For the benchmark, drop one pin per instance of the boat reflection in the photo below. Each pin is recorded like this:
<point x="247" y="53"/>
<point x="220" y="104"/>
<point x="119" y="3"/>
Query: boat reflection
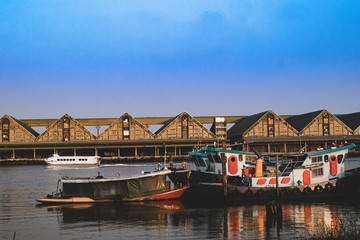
<point x="248" y="221"/>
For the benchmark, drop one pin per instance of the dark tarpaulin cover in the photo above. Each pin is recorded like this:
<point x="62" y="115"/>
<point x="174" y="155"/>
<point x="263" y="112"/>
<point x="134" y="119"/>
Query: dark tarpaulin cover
<point x="117" y="189"/>
<point x="146" y="186"/>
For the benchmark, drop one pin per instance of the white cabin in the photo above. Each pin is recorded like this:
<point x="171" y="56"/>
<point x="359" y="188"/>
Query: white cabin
<point x="72" y="160"/>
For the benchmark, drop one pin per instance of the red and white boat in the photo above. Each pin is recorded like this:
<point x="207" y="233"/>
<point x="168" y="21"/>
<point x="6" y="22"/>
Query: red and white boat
<point x="250" y="177"/>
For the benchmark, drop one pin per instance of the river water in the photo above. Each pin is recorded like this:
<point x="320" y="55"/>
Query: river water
<point x="23" y="218"/>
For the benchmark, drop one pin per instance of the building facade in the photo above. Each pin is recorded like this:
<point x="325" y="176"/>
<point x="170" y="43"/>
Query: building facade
<point x="127" y="137"/>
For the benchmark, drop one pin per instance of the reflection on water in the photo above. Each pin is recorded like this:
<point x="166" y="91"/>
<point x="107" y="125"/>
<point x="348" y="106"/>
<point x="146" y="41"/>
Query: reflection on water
<point x="237" y="222"/>
<point x="19" y="212"/>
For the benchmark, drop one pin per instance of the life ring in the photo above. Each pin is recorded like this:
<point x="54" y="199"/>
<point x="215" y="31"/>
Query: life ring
<point x="329" y="187"/>
<point x="249" y="192"/>
<point x="318" y="189"/>
<point x="307" y="190"/>
<point x="260" y="192"/>
<point x="295" y="191"/>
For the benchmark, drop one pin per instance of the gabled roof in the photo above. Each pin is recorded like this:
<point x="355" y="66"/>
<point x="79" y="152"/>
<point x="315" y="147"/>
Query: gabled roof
<point x="241" y="126"/>
<point x="24" y="125"/>
<point x="167" y="123"/>
<point x="136" y="121"/>
<point x="299" y="122"/>
<point x="68" y="116"/>
<point x="352" y="120"/>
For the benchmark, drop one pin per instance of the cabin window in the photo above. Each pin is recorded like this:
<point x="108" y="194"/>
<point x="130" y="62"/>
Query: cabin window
<point x="5" y="130"/>
<point x="340" y="158"/>
<point x="251" y="158"/>
<point x="317" y="172"/>
<point x="207" y="162"/>
<point x="232" y="159"/>
<point x="217" y="158"/>
<point x="316" y="159"/>
<point x="201" y="162"/>
<point x="326" y="158"/>
<point x="211" y="158"/>
<point x="195" y="160"/>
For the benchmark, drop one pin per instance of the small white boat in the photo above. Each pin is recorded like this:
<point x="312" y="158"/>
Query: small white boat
<point x="56" y="160"/>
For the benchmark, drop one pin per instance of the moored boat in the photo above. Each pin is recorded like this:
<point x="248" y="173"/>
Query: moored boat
<point x="56" y="160"/>
<point x="302" y="175"/>
<point x="145" y="187"/>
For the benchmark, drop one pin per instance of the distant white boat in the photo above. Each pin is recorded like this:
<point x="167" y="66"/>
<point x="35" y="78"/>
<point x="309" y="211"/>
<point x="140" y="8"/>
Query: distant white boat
<point x="56" y="160"/>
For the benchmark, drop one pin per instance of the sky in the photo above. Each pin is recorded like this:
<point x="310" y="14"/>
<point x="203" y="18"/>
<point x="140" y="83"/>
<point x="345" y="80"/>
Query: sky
<point x="100" y="59"/>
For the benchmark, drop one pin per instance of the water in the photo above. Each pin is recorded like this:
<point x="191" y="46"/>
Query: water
<point x="20" y="213"/>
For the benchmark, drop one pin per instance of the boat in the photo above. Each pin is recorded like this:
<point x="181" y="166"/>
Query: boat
<point x="148" y="186"/>
<point x="56" y="160"/>
<point x="305" y="174"/>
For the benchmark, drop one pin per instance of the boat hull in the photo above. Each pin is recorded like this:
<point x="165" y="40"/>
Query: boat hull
<point x="168" y="195"/>
<point x="348" y="186"/>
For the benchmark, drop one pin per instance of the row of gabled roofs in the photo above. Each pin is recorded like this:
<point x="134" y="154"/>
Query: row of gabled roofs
<point x="297" y="122"/>
<point x="38" y="136"/>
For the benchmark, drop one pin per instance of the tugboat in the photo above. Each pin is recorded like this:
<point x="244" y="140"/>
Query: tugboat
<point x="250" y="177"/>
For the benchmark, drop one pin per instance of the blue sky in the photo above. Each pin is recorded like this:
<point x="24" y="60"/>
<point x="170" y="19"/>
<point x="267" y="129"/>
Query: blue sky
<point x="155" y="58"/>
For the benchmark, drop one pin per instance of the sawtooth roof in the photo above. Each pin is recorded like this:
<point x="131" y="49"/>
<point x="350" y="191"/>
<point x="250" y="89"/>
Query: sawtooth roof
<point x="27" y="127"/>
<point x="352" y="120"/>
<point x="241" y="126"/>
<point x="167" y="123"/>
<point x="299" y="122"/>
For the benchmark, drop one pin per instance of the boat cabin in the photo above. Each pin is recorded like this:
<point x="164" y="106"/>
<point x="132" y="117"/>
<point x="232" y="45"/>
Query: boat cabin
<point x="208" y="160"/>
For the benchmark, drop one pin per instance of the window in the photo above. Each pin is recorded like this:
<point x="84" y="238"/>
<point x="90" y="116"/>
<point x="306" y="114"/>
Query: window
<point x="340" y="158"/>
<point x="270" y="125"/>
<point x="317" y="172"/>
<point x="184" y="127"/>
<point x="326" y="158"/>
<point x="326" y="124"/>
<point x="66" y="129"/>
<point x="217" y="158"/>
<point x="126" y="128"/>
<point x="201" y="162"/>
<point x="196" y="161"/>
<point x="316" y="159"/>
<point x="211" y="158"/>
<point x="251" y="158"/>
<point x="5" y="130"/>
